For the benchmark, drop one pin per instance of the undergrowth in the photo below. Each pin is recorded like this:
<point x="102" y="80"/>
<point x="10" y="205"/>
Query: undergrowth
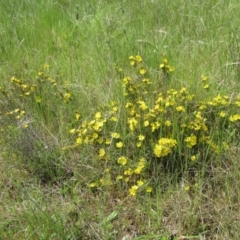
<point x="95" y="146"/>
<point x="150" y="127"/>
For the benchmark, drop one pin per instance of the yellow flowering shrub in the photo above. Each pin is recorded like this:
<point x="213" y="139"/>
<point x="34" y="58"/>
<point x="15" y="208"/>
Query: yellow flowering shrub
<point x="171" y="127"/>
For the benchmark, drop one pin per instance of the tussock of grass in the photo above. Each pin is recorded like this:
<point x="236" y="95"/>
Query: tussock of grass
<point x="97" y="145"/>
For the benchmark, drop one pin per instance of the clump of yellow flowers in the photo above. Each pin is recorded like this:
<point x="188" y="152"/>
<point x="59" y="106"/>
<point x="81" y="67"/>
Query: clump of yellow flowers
<point x="150" y="125"/>
<point x="154" y="127"/>
<point x="37" y="90"/>
<point x="39" y="98"/>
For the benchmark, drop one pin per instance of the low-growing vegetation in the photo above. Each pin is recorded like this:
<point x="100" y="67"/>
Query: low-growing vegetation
<point x="141" y="143"/>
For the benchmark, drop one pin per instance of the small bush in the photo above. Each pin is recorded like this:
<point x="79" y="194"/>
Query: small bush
<point x="152" y="127"/>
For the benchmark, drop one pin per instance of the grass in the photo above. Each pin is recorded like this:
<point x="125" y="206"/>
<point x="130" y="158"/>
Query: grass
<point x="63" y="68"/>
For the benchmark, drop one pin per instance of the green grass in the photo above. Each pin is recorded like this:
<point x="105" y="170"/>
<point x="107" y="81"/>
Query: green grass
<point x="45" y="178"/>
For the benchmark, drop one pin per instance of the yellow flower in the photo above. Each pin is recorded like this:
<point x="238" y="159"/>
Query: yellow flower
<point x="132" y="60"/>
<point x="180" y="109"/>
<point x="222" y="114"/>
<point x="126" y="179"/>
<point x="15" y="80"/>
<point x="142" y="105"/>
<point x="139" y="144"/>
<point x="101" y="152"/>
<point x="126" y="80"/>
<point x="206" y="86"/>
<point x="204" y="78"/>
<point x="92" y="185"/>
<point x="140" y="183"/>
<point x="149" y="189"/>
<point x="133" y="190"/>
<point x="146" y="80"/>
<point x="77" y="116"/>
<point x="114" y="109"/>
<point x="140" y="166"/>
<point x="119" y="144"/>
<point x="79" y="141"/>
<point x="128" y="172"/>
<point x="170" y="68"/>
<point x="234" y="118"/>
<point x="132" y="112"/>
<point x="168" y="123"/>
<point x="122" y="160"/>
<point x="115" y="135"/>
<point x="139" y="58"/>
<point x="191" y="141"/>
<point x="97" y="126"/>
<point x="72" y="130"/>
<point x="183" y="90"/>
<point x="132" y="123"/>
<point x="98" y="115"/>
<point x="161" y="65"/>
<point x="100" y="140"/>
<point x="113" y="118"/>
<point x="146" y="123"/>
<point x="46" y="66"/>
<point x="163" y="148"/>
<point x="128" y="105"/>
<point x="142" y="71"/>
<point x="94" y="135"/>
<point x="161" y="151"/>
<point x="187" y="188"/>
<point x="87" y="139"/>
<point x="237" y="103"/>
<point x="138" y="170"/>
<point x="193" y="158"/>
<point x="40" y="73"/>
<point x="119" y="177"/>
<point x="141" y="137"/>
<point x="165" y="66"/>
<point x="198" y="115"/>
<point x="165" y="60"/>
<point x="67" y="96"/>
